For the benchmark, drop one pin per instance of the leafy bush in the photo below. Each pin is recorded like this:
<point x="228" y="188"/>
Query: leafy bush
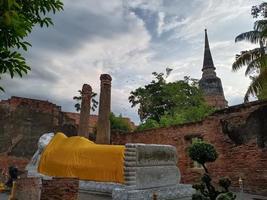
<point x="202" y="153"/>
<point x="150" y="123"/>
<point x="119" y="123"/>
<point x="226" y="196"/>
<point x="191" y="114"/>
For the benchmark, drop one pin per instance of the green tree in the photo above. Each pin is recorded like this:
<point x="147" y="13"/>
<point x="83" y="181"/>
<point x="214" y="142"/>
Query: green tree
<point x="148" y="124"/>
<point x="203" y="153"/>
<point x="78" y="99"/>
<point x="256" y="59"/>
<point x="150" y="99"/>
<point x="119" y="123"/>
<point x="17" y="18"/>
<point x="163" y="104"/>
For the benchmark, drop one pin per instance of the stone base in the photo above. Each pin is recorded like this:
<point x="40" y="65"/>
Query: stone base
<point x="85" y="195"/>
<point x="176" y="192"/>
<point x="111" y="191"/>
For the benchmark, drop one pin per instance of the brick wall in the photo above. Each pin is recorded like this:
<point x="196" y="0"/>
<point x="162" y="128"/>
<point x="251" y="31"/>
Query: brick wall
<point x="247" y="160"/>
<point x="35" y="189"/>
<point x="60" y="188"/>
<point x="6" y="161"/>
<point x="24" y="120"/>
<point x="76" y="117"/>
<point x="26" y="189"/>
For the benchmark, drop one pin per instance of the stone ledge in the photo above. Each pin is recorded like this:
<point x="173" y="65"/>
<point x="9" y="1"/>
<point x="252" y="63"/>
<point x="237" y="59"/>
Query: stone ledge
<point x="175" y="192"/>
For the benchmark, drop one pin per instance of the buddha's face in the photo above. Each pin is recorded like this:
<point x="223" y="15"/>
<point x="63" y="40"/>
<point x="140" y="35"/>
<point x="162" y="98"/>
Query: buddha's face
<point x="44" y="140"/>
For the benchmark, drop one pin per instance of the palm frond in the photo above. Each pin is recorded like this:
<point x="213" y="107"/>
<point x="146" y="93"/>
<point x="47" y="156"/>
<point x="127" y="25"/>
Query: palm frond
<point x="252" y="90"/>
<point x="260" y="25"/>
<point x="245" y="58"/>
<point x="251" y="36"/>
<point x="78" y="98"/>
<point x="256" y="85"/>
<point x="93" y="94"/>
<point x="256" y="64"/>
<point x="78" y="107"/>
<point x="264" y="36"/>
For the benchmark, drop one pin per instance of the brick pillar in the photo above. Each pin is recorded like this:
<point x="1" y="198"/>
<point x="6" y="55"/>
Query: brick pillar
<point x="26" y="189"/>
<point x="103" y="124"/>
<point x="60" y="188"/>
<point x="85" y="111"/>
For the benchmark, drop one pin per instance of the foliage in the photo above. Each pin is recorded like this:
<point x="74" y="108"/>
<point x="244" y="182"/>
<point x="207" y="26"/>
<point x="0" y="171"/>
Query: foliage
<point x="202" y="153"/>
<point x="17" y="18"/>
<point x="119" y="123"/>
<point x="94" y="102"/>
<point x="189" y="114"/>
<point x="163" y="104"/>
<point x="150" y="99"/>
<point x="225" y="183"/>
<point x="150" y="123"/>
<point x="226" y="196"/>
<point x="256" y="59"/>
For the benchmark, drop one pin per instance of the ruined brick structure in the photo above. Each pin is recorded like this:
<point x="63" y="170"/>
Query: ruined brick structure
<point x="32" y="188"/>
<point x="210" y="84"/>
<point x="24" y="120"/>
<point x="60" y="188"/>
<point x="237" y="132"/>
<point x="26" y="189"/>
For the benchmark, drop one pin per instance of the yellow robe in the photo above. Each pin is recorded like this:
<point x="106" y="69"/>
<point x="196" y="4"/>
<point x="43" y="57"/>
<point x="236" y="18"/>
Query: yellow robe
<point x="81" y="158"/>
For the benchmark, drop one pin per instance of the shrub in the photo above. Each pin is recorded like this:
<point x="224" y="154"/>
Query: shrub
<point x="119" y="123"/>
<point x="202" y="153"/>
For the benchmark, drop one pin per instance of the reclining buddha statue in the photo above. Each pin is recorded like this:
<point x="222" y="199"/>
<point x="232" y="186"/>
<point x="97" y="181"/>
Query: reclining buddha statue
<point x="79" y="157"/>
<point x="131" y="171"/>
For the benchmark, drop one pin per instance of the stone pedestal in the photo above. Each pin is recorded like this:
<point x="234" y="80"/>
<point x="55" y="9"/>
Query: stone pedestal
<point x="150" y="170"/>
<point x="85" y="111"/>
<point x="103" y="124"/>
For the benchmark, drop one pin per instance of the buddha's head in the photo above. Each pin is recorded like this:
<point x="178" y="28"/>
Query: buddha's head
<point x="44" y="140"/>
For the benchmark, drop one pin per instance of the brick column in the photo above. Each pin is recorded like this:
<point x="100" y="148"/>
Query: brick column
<point x="60" y="188"/>
<point x="85" y="111"/>
<point x="26" y="189"/>
<point x="103" y="124"/>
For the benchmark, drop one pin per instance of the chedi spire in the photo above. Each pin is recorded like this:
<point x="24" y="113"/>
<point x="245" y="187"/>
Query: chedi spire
<point x="210" y="84"/>
<point x="207" y="61"/>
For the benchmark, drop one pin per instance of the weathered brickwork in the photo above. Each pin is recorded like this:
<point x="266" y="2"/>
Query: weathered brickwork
<point x="60" y="188"/>
<point x="24" y="120"/>
<point x="6" y="161"/>
<point x="247" y="160"/>
<point x="26" y="189"/>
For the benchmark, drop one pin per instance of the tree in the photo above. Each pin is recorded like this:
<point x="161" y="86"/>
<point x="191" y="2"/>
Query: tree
<point x="163" y="104"/>
<point x="255" y="59"/>
<point x="94" y="102"/>
<point x="150" y="99"/>
<point x="202" y="153"/>
<point x="119" y="123"/>
<point x="17" y="18"/>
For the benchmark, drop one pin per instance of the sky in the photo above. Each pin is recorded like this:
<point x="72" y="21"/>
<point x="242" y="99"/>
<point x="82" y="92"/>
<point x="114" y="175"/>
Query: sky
<point x="130" y="39"/>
